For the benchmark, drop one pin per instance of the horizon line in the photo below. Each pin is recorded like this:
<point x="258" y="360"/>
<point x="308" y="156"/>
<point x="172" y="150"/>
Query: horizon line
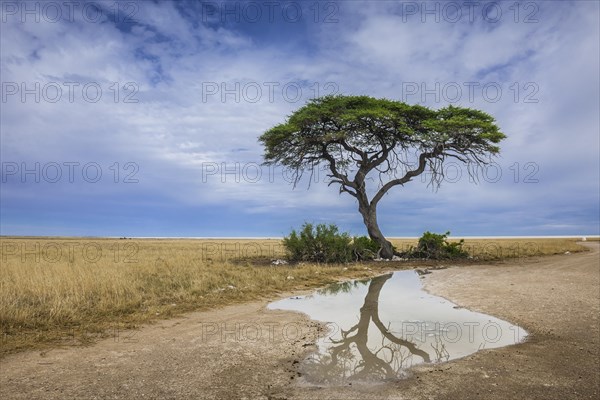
<point x="281" y="237"/>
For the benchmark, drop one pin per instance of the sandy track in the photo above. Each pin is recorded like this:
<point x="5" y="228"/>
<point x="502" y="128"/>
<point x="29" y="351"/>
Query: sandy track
<point x="220" y="354"/>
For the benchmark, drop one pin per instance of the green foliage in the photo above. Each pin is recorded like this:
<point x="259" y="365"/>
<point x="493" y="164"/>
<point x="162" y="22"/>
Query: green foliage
<point x="436" y="246"/>
<point x="343" y="287"/>
<point x="322" y="243"/>
<point x="364" y="248"/>
<point x="325" y="244"/>
<point x="329" y="127"/>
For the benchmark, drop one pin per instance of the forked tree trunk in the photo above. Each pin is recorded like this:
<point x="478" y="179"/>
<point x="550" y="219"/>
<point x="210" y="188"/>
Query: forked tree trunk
<point x="369" y="214"/>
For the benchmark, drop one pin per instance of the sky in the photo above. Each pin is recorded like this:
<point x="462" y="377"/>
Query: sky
<point x="142" y="118"/>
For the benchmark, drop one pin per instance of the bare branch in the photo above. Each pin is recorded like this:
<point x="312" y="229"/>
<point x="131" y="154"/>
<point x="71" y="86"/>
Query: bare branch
<point x="409" y="175"/>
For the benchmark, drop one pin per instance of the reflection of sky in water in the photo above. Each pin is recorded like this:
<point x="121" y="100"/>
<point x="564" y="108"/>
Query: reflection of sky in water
<point x="391" y="324"/>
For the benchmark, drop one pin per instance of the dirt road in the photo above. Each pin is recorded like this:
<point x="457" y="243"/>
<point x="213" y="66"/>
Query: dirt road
<point x="247" y="352"/>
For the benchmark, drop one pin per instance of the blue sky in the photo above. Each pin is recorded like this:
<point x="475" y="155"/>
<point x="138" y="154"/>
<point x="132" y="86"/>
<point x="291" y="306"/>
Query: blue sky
<point x="142" y="118"/>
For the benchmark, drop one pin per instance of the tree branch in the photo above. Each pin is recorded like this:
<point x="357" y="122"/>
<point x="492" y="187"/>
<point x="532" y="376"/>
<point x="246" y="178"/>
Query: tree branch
<point x="342" y="179"/>
<point x="409" y="174"/>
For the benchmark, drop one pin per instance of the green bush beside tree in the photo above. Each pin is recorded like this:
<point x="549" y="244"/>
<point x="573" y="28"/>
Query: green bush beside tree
<point x="326" y="244"/>
<point x="435" y="246"/>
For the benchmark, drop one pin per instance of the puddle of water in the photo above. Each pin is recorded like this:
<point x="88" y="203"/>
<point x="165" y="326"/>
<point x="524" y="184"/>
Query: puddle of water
<point x="378" y="328"/>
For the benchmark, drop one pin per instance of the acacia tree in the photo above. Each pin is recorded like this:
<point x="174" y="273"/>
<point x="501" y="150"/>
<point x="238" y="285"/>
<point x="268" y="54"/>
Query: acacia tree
<point x="361" y="138"/>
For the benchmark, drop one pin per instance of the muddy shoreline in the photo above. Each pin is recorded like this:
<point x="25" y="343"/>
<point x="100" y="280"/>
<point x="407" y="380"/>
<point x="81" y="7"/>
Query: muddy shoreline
<point x="246" y="351"/>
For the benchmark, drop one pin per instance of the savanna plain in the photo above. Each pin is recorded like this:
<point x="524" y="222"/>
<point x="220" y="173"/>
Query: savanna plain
<point x="65" y="295"/>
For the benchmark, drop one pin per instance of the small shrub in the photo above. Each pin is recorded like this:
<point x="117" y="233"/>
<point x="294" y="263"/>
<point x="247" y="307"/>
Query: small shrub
<point x="364" y="248"/>
<point x="322" y="243"/>
<point x="325" y="244"/>
<point x="436" y="246"/>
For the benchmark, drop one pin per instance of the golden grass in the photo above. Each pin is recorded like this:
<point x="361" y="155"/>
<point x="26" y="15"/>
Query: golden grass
<point x="70" y="291"/>
<point x="497" y="249"/>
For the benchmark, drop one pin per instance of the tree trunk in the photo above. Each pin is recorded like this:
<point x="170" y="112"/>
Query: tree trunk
<point x="369" y="214"/>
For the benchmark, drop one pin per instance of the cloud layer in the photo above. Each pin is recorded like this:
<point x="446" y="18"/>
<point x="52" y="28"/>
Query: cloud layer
<point x="166" y="100"/>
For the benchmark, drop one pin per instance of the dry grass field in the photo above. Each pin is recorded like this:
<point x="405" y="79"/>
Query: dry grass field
<point x="499" y="249"/>
<point x="69" y="291"/>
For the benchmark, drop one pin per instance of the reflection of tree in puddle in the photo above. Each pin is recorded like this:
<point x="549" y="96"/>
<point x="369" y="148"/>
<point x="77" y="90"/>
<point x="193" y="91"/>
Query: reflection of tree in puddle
<point x="343" y="287"/>
<point x="350" y="358"/>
